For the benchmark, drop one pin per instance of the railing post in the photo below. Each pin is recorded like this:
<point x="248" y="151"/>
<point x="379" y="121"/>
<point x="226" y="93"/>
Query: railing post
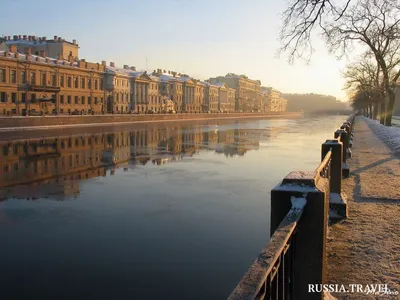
<point x="337" y="199"/>
<point x="346" y="126"/>
<point x="310" y="238"/>
<point x="341" y="134"/>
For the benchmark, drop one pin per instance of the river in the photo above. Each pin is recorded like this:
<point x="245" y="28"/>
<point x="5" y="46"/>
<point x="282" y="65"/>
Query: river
<point x="166" y="211"/>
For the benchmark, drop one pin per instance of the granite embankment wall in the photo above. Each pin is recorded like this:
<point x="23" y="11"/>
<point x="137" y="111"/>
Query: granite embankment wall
<point x="100" y="120"/>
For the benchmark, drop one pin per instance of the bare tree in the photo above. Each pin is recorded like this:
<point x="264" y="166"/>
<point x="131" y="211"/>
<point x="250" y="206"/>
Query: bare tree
<point x="301" y="19"/>
<point x="364" y="75"/>
<point x="374" y="24"/>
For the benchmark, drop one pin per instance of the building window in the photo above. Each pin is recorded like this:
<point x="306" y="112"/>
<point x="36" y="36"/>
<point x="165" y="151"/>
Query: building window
<point x="83" y="99"/>
<point x="69" y="81"/>
<point x="13" y="97"/>
<point x="23" y="97"/>
<point x="76" y="82"/>
<point x="2" y="75"/>
<point x="43" y="78"/>
<point x="13" y="76"/>
<point x="33" y="77"/>
<point x="96" y="84"/>
<point x="101" y="84"/>
<point x="62" y="80"/>
<point x="89" y="100"/>
<point x="33" y="97"/>
<point x="82" y="83"/>
<point x="89" y="83"/>
<point x="69" y="99"/>
<point x="95" y="100"/>
<point x="54" y="80"/>
<point x="62" y="99"/>
<point x="23" y="77"/>
<point x="76" y="100"/>
<point x="3" y="97"/>
<point x="5" y="150"/>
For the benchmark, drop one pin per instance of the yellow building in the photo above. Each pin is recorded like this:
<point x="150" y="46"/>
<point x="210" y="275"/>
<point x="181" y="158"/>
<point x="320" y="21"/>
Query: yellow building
<point x="211" y="97"/>
<point x="272" y="100"/>
<point x="55" y="48"/>
<point x="39" y="85"/>
<point x="118" y="88"/>
<point x="247" y="91"/>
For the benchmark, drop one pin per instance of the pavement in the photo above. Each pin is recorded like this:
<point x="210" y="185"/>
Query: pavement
<point x="365" y="248"/>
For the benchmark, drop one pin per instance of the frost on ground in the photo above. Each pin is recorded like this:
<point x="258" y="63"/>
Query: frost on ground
<point x="365" y="248"/>
<point x="389" y="135"/>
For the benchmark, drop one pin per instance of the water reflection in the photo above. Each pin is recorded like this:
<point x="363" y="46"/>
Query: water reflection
<point x="53" y="167"/>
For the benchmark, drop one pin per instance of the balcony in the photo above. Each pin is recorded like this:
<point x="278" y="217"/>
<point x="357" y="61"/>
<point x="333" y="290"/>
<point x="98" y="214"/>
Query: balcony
<point x="43" y="88"/>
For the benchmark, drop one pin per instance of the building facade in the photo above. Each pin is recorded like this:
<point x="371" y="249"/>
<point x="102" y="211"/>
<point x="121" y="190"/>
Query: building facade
<point x="54" y="48"/>
<point x="211" y="97"/>
<point x="118" y="89"/>
<point x="40" y="85"/>
<point x="273" y="100"/>
<point x="248" y="96"/>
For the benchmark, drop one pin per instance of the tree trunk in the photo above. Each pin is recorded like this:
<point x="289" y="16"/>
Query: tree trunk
<point x="375" y="113"/>
<point x="382" y="113"/>
<point x="389" y="110"/>
<point x="370" y="111"/>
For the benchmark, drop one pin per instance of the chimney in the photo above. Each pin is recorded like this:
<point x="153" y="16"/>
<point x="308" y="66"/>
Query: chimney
<point x="24" y="37"/>
<point x="74" y="42"/>
<point x="9" y="37"/>
<point x="59" y="39"/>
<point x="126" y="67"/>
<point x="42" y="53"/>
<point x="29" y="38"/>
<point x="169" y="72"/>
<point x="44" y="38"/>
<point x="59" y="56"/>
<point x="13" y="48"/>
<point x="71" y="59"/>
<point x="164" y="71"/>
<point x="133" y="68"/>
<point x="15" y="37"/>
<point x="55" y="38"/>
<point x="38" y="59"/>
<point x="28" y="51"/>
<point x="112" y="64"/>
<point x="104" y="63"/>
<point x="20" y="37"/>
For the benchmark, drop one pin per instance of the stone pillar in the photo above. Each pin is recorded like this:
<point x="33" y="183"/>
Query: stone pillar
<point x="310" y="239"/>
<point x="341" y="134"/>
<point x="338" y="208"/>
<point x="346" y="126"/>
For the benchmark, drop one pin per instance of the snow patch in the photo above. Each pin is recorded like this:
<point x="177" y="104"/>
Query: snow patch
<point x="298" y="203"/>
<point x="389" y="135"/>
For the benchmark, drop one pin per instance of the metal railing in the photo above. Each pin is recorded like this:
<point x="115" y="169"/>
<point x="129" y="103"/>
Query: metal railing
<point x="295" y="253"/>
<point x="272" y="274"/>
<point x="324" y="168"/>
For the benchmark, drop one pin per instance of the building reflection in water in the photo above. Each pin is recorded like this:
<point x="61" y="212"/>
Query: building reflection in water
<point x="54" y="167"/>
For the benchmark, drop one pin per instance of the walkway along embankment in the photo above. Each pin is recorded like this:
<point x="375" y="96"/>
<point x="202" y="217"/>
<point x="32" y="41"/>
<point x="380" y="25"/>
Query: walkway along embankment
<point x="365" y="248"/>
<point x="67" y="121"/>
<point x="301" y="206"/>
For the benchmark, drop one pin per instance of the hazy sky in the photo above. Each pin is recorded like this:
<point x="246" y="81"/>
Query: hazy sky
<point x="201" y="38"/>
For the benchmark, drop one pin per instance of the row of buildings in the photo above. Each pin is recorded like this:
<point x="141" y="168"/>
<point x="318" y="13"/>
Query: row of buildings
<point x="40" y="76"/>
<point x="56" y="165"/>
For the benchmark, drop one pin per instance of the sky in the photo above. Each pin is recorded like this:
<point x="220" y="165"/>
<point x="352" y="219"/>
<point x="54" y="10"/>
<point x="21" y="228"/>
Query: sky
<point x="200" y="38"/>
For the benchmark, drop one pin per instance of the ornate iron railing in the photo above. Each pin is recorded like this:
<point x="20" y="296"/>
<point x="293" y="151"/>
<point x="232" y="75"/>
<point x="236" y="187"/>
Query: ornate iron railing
<point x="272" y="275"/>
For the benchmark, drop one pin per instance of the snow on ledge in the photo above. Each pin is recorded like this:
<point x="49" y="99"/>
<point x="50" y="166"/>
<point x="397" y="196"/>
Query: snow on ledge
<point x="298" y="203"/>
<point x="389" y="135"/>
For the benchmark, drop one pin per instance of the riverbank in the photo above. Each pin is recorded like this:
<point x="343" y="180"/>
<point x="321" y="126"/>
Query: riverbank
<point x="50" y="122"/>
<point x="364" y="248"/>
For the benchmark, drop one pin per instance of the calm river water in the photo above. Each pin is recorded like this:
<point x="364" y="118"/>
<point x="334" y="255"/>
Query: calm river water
<point x="158" y="211"/>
